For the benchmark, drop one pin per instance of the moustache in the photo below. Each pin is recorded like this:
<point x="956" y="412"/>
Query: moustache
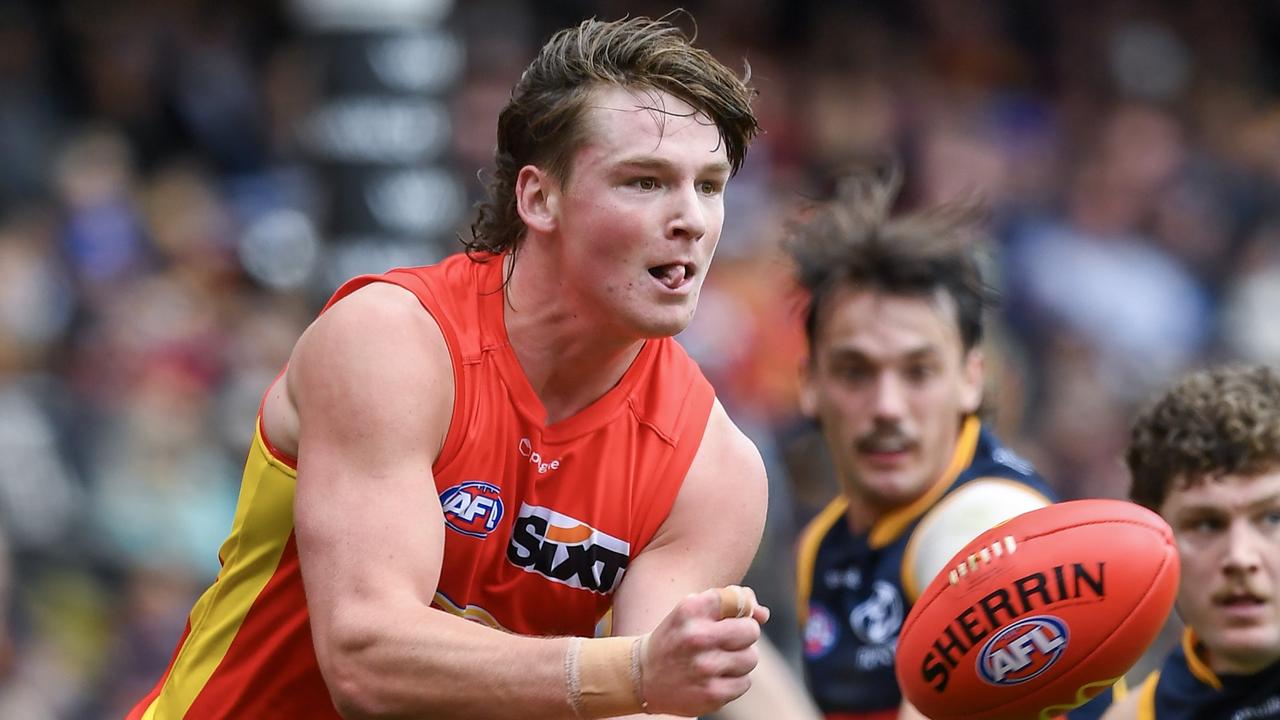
<point x="1237" y="592"/>
<point x="882" y="439"/>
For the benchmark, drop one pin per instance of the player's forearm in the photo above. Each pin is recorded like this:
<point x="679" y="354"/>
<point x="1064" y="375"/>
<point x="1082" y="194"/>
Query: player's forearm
<point x="426" y="663"/>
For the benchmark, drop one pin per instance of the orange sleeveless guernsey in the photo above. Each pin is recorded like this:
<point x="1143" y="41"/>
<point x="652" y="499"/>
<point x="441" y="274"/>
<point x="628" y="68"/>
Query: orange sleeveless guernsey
<point x="541" y="520"/>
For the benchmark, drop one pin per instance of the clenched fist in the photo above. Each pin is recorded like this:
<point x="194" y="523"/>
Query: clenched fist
<point x="699" y="656"/>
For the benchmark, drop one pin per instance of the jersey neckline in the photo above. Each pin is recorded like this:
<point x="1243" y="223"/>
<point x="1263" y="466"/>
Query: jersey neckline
<point x="593" y="416"/>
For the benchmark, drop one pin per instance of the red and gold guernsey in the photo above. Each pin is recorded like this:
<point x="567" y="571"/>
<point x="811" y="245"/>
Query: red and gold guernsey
<point x="541" y="520"/>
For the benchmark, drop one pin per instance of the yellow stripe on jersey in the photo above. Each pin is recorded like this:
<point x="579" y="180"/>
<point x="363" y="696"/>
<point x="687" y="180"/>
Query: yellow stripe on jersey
<point x="1120" y="690"/>
<point x="1147" y="697"/>
<point x="261" y="528"/>
<point x="475" y="613"/>
<point x="1199" y="668"/>
<point x="888" y="528"/>
<point x="810" y="539"/>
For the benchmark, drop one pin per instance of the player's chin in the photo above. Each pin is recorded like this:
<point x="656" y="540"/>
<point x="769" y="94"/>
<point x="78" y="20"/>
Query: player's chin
<point x="1256" y="640"/>
<point x="665" y="322"/>
<point x="892" y="488"/>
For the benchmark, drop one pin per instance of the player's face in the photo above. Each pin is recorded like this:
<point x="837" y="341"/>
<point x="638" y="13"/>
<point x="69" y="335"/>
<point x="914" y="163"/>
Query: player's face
<point x="640" y="215"/>
<point x="889" y="382"/>
<point x="1228" y="533"/>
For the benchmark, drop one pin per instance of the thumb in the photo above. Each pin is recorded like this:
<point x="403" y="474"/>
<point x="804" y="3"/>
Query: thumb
<point x="735" y="601"/>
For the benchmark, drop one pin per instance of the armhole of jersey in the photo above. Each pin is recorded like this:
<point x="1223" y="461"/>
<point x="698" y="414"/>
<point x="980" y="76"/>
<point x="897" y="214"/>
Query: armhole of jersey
<point x="260" y="428"/>
<point x="694" y="417"/>
<point x="910" y="587"/>
<point x="807" y="554"/>
<point x="1147" y="697"/>
<point x="458" y="420"/>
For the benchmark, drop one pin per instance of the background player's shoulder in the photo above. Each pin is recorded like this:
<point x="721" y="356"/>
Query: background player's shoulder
<point x="1041" y="612"/>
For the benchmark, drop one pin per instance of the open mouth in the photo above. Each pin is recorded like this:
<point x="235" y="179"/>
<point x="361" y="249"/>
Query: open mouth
<point x="672" y="275"/>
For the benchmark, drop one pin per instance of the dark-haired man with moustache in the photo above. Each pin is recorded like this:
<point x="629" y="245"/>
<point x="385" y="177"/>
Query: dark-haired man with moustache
<point x="895" y="380"/>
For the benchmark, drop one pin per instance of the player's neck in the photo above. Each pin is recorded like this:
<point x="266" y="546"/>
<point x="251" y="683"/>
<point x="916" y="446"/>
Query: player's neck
<point x="1228" y="665"/>
<point x="859" y="515"/>
<point x="569" y="359"/>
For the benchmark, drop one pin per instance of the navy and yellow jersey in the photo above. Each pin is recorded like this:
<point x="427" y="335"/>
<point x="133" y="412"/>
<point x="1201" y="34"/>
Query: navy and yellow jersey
<point x="1184" y="688"/>
<point x="856" y="589"/>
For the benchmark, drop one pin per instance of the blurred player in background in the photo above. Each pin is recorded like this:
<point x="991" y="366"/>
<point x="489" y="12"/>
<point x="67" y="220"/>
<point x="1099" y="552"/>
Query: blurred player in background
<point x="1206" y="456"/>
<point x="895" y="380"/>
<point x="510" y="437"/>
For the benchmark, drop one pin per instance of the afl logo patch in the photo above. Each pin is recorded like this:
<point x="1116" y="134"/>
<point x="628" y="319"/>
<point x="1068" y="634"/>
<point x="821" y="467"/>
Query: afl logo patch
<point x="1023" y="650"/>
<point x="819" y="632"/>
<point x="472" y="508"/>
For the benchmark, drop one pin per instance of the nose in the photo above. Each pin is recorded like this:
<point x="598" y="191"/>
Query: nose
<point x="890" y="397"/>
<point x="688" y="217"/>
<point x="1243" y="551"/>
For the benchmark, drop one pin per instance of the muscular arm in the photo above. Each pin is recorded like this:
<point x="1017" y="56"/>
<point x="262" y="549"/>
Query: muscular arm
<point x="368" y="399"/>
<point x="707" y="541"/>
<point x="372" y="384"/>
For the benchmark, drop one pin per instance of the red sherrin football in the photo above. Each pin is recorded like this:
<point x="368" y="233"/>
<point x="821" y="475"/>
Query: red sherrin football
<point x="1040" y="613"/>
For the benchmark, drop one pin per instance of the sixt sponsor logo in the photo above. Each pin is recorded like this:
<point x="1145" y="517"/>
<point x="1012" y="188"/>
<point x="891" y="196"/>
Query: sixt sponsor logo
<point x="567" y="551"/>
<point x="472" y="508"/>
<point x="1022" y="650"/>
<point x="1022" y="596"/>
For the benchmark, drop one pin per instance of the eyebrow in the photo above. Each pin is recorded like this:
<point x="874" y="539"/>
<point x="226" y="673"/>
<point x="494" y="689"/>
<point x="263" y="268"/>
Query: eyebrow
<point x="921" y="353"/>
<point x="1209" y="508"/>
<point x="652" y="163"/>
<point x="1273" y="499"/>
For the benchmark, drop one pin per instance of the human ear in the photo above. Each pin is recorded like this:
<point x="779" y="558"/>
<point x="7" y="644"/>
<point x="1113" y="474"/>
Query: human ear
<point x="537" y="199"/>
<point x="972" y="381"/>
<point x="808" y="393"/>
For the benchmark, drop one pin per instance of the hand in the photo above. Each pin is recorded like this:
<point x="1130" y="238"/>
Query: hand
<point x="699" y="656"/>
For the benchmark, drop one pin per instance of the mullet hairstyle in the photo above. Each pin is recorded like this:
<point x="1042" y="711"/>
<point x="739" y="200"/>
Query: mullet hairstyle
<point x="1215" y="422"/>
<point x="854" y="240"/>
<point x="543" y="122"/>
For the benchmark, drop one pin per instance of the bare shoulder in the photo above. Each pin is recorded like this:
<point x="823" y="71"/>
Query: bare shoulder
<point x="727" y="475"/>
<point x="727" y="459"/>
<point x="374" y="362"/>
<point x="382" y="314"/>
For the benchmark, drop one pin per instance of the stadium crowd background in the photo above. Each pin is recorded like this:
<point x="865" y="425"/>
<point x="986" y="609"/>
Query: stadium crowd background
<point x="165" y="232"/>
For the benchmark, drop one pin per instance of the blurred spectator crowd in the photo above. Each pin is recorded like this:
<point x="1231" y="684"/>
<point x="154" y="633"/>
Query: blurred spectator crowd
<point x="158" y="223"/>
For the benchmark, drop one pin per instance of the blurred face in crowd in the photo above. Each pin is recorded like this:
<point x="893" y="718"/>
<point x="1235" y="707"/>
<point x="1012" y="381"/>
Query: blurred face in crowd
<point x="638" y="219"/>
<point x="1228" y="534"/>
<point x="890" y="382"/>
